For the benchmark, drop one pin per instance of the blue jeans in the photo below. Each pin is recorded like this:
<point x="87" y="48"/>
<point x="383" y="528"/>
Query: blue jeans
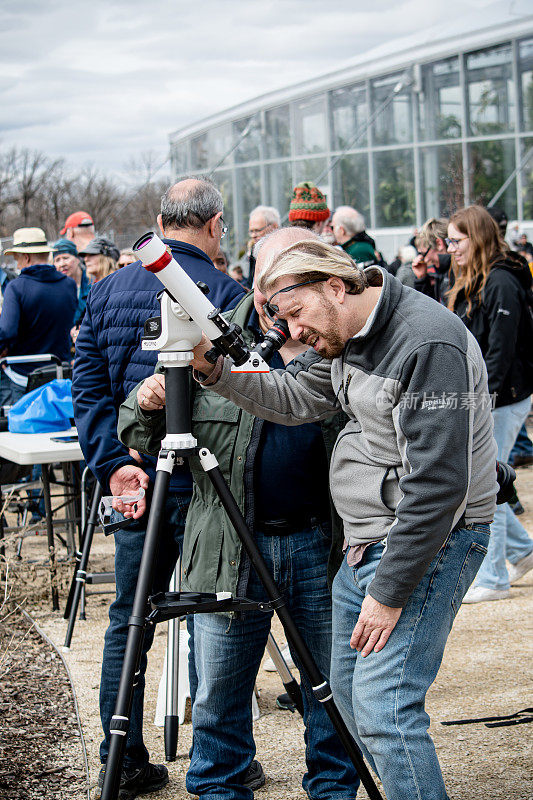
<point x="508" y="538"/>
<point x="382" y="696"/>
<point x="228" y="653"/>
<point x="128" y="551"/>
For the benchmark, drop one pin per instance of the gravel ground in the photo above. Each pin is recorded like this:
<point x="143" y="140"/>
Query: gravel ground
<point x="486" y="671"/>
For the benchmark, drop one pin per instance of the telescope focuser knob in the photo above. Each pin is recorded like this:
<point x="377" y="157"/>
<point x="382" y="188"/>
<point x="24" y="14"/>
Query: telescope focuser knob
<point x="204" y="288"/>
<point x="212" y="355"/>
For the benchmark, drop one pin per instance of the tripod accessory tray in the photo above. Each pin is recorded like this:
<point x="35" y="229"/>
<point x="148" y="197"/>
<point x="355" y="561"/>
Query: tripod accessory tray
<point x="168" y="605"/>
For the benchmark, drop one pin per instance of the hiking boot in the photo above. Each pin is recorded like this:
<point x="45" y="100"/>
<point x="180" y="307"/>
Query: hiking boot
<point x="255" y="777"/>
<point x="135" y="781"/>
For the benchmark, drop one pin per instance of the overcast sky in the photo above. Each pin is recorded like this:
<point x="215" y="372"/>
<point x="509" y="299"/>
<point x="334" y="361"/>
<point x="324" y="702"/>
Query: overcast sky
<point x="99" y="82"/>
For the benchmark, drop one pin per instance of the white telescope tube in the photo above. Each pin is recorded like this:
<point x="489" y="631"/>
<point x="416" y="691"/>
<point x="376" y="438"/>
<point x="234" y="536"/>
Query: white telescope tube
<point x="157" y="259"/>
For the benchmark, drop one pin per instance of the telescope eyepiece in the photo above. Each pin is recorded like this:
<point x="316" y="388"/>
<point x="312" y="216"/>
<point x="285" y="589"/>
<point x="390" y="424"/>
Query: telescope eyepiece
<point x="275" y="337"/>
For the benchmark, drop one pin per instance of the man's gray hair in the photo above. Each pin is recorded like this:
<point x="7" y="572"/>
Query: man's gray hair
<point x="190" y="205"/>
<point x="351" y="220"/>
<point x="407" y="253"/>
<point x="310" y="259"/>
<point x="270" y="214"/>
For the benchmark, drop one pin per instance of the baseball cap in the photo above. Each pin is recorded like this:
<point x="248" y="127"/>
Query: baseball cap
<point x="101" y="246"/>
<point x="78" y="219"/>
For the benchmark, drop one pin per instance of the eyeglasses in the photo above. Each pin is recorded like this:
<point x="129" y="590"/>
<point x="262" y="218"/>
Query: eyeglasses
<point x="425" y="253"/>
<point x="256" y="231"/>
<point x="454" y="243"/>
<point x="223" y="227"/>
<point x="271" y="309"/>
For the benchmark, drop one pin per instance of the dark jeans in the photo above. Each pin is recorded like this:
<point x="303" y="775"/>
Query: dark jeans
<point x="523" y="445"/>
<point x="228" y="652"/>
<point x="128" y="551"/>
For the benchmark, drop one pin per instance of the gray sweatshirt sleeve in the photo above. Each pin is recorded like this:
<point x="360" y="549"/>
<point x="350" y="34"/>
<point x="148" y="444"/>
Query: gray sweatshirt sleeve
<point x="301" y="393"/>
<point x="434" y="423"/>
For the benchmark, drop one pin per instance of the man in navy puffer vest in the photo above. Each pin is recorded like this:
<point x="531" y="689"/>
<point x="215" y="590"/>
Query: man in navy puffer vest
<point x="109" y="363"/>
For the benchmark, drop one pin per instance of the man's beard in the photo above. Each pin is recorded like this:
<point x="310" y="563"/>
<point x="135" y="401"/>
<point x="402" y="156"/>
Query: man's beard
<point x="331" y="343"/>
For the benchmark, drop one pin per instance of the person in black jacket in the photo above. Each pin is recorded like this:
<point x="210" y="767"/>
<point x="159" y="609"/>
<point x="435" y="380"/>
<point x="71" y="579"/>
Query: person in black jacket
<point x="432" y="265"/>
<point x="490" y="294"/>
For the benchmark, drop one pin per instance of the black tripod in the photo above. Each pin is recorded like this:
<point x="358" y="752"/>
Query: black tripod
<point x="177" y="444"/>
<point x="174" y="335"/>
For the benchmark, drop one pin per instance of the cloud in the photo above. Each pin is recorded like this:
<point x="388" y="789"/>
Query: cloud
<point x="106" y="80"/>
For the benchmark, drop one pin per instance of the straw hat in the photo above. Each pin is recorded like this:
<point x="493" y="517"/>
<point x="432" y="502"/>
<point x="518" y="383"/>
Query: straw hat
<point x="29" y="240"/>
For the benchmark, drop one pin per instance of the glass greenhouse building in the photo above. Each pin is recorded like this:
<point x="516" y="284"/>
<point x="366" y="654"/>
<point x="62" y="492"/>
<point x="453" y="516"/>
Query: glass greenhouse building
<point x="400" y="139"/>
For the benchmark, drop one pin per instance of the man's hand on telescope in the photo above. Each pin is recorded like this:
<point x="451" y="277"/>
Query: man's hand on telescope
<point x="151" y="395"/>
<point x="199" y="362"/>
<point x="127" y="480"/>
<point x="374" y="626"/>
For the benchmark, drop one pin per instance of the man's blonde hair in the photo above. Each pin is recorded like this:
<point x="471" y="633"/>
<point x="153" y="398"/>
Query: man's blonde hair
<point x="431" y="230"/>
<point x="309" y="260"/>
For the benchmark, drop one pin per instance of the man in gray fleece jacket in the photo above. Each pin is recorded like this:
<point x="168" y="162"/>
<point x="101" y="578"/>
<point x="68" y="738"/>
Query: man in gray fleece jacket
<point x="412" y="476"/>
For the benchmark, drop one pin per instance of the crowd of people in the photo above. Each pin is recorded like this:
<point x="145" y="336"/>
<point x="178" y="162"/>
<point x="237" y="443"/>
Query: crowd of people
<point x="403" y="382"/>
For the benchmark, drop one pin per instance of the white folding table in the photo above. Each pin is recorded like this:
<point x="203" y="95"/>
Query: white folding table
<point x="39" y="448"/>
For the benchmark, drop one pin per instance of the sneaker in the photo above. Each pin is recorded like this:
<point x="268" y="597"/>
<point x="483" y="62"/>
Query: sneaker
<point x="516" y="571"/>
<point x="268" y="666"/>
<point x="284" y="702"/>
<point x="133" y="782"/>
<point x="479" y="594"/>
<point x="255" y="777"/>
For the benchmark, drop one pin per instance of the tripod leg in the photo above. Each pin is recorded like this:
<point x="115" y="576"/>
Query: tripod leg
<point x="321" y="688"/>
<point x="81" y="572"/>
<point x="173" y="667"/>
<point x="83" y="514"/>
<point x="289" y="682"/>
<point x="79" y="555"/>
<point x="137" y="625"/>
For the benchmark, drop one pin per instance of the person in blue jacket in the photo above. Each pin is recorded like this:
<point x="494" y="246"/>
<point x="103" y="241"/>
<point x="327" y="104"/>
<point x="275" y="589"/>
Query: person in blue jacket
<point x="109" y="363"/>
<point x="37" y="311"/>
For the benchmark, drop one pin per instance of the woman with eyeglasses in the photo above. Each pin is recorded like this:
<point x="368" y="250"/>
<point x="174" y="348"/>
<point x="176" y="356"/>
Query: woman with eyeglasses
<point x="491" y="292"/>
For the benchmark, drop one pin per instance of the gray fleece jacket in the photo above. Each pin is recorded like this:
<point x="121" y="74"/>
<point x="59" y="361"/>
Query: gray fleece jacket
<point x="417" y="455"/>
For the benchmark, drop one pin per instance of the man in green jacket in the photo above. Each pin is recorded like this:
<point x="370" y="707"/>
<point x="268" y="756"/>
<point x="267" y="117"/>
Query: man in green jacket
<point x="349" y="231"/>
<point x="279" y="477"/>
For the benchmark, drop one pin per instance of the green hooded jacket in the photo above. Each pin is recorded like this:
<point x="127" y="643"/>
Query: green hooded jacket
<point x="359" y="250"/>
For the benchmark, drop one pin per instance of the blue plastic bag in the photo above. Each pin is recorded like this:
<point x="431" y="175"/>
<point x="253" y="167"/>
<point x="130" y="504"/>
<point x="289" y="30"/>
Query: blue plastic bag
<point x="47" y="408"/>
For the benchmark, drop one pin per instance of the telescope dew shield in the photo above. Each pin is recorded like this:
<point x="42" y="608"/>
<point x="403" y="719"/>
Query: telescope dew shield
<point x="157" y="258"/>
